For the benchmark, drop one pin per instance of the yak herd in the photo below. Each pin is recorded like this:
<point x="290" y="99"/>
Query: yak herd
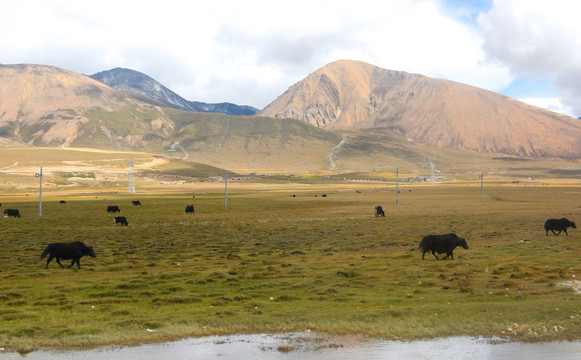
<point x="436" y="244"/>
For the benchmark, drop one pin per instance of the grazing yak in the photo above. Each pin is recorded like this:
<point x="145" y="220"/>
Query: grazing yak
<point x="67" y="251"/>
<point x="559" y="225"/>
<point x="12" y="212"/>
<point x="62" y="202"/>
<point x="441" y="244"/>
<point x="120" y="220"/>
<point x="136" y="202"/>
<point x="379" y="211"/>
<point x="190" y="209"/>
<point x="113" y="209"/>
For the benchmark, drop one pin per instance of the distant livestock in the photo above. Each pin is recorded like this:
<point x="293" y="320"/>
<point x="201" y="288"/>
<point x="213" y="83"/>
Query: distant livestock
<point x="559" y="225"/>
<point x="12" y="212"/>
<point x="441" y="244"/>
<point x="379" y="211"/>
<point x="120" y="220"/>
<point x="190" y="209"/>
<point x="62" y="202"/>
<point x="324" y="195"/>
<point x="136" y="202"/>
<point x="113" y="209"/>
<point x="67" y="251"/>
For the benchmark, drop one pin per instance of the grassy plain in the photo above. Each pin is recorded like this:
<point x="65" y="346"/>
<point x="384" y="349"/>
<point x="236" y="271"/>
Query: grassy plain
<point x="272" y="262"/>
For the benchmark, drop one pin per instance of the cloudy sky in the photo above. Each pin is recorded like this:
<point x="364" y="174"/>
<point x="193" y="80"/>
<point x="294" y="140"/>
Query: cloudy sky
<point x="249" y="52"/>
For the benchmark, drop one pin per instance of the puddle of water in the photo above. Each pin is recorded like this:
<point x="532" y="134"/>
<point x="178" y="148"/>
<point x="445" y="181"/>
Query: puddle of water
<point x="317" y="346"/>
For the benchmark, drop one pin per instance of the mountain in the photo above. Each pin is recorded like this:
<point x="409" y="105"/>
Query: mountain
<point x="355" y="96"/>
<point x="142" y="87"/>
<point x="146" y="89"/>
<point x="45" y="105"/>
<point x="52" y="107"/>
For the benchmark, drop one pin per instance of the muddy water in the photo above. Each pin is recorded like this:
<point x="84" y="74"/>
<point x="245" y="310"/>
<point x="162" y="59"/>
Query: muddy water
<point x="317" y="346"/>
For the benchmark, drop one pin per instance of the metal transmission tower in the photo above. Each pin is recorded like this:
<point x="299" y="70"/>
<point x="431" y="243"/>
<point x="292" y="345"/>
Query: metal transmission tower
<point x="433" y="166"/>
<point x="131" y="185"/>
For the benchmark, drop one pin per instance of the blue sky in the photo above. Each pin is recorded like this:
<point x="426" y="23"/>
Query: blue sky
<point x="250" y="52"/>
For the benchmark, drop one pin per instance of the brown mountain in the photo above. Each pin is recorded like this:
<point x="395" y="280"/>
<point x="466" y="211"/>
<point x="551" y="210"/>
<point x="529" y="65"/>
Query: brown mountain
<point x="45" y="105"/>
<point x="350" y="95"/>
<point x="52" y="107"/>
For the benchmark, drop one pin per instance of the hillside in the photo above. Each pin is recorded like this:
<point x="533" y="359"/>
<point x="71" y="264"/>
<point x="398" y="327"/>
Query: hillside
<point x="47" y="106"/>
<point x="143" y="87"/>
<point x="349" y="95"/>
<point x="44" y="106"/>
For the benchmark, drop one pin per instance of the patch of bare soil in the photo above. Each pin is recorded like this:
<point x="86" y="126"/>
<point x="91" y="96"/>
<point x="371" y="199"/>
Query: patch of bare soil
<point x="574" y="284"/>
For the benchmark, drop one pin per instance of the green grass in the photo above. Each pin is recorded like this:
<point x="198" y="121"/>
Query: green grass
<point x="272" y="262"/>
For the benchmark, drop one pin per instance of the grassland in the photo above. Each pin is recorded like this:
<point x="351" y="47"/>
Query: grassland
<point x="272" y="262"/>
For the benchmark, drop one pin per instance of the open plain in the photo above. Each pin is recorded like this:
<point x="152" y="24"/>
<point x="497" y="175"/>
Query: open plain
<point x="281" y="257"/>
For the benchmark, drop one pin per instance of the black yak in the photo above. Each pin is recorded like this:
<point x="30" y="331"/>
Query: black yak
<point x="136" y="202"/>
<point x="379" y="211"/>
<point x="113" y="209"/>
<point x="12" y="212"/>
<point x="559" y="225"/>
<point x="441" y="244"/>
<point x="120" y="220"/>
<point x="74" y="250"/>
<point x="190" y="209"/>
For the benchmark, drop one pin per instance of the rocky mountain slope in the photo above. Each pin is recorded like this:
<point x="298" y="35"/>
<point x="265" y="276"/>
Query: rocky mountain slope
<point x="350" y="95"/>
<point x="43" y="106"/>
<point x="146" y="89"/>
<point x="47" y="106"/>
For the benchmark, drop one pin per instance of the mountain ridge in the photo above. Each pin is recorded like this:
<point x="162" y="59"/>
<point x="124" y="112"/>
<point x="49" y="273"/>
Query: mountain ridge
<point x="47" y="106"/>
<point x="351" y="95"/>
<point x="144" y="88"/>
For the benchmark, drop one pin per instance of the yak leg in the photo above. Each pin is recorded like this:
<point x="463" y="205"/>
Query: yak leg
<point x="434" y="253"/>
<point x="59" y="261"/>
<point x="78" y="263"/>
<point x="565" y="230"/>
<point x="47" y="261"/>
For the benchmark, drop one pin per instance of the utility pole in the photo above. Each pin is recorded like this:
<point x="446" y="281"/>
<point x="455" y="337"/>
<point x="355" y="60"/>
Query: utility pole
<point x="226" y="192"/>
<point x="481" y="186"/>
<point x="397" y="186"/>
<point x="39" y="175"/>
<point x="433" y="166"/>
<point x="131" y="183"/>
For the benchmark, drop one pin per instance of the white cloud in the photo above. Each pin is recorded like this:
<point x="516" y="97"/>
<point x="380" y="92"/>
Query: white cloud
<point x="552" y="104"/>
<point x="538" y="38"/>
<point x="248" y="52"/>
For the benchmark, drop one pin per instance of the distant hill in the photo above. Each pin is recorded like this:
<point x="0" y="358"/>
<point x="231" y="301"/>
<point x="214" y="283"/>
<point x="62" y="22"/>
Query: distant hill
<point x="44" y="106"/>
<point x="147" y="89"/>
<point x="48" y="106"/>
<point x="355" y="96"/>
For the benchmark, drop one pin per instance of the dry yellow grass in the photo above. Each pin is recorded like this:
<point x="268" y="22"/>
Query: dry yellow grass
<point x="273" y="262"/>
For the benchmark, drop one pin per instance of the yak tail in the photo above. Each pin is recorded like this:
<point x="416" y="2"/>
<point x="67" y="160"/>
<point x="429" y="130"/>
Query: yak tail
<point x="45" y="253"/>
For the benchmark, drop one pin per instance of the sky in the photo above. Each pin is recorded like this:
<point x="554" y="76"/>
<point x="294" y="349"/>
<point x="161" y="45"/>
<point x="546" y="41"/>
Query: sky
<point x="249" y="52"/>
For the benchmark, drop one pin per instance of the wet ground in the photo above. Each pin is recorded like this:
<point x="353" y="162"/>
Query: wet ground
<point x="318" y="346"/>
